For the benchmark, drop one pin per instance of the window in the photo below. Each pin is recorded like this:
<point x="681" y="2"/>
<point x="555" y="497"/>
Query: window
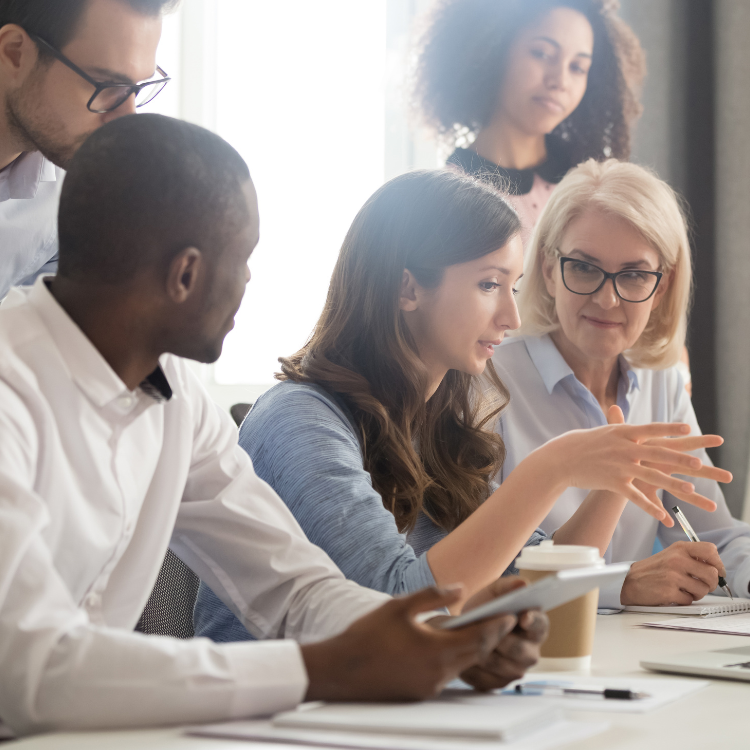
<point x="310" y="94"/>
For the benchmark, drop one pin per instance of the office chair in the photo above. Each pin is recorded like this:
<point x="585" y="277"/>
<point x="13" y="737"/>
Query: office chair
<point x="169" y="610"/>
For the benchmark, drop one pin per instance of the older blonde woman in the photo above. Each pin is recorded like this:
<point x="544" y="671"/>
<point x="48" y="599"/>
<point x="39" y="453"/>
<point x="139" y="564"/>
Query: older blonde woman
<point x="604" y="310"/>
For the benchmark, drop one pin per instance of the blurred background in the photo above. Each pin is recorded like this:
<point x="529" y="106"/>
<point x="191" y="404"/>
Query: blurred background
<point x="312" y="94"/>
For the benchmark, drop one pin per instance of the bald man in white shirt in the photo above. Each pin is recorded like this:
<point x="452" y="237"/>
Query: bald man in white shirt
<point x="110" y="451"/>
<point x="66" y="68"/>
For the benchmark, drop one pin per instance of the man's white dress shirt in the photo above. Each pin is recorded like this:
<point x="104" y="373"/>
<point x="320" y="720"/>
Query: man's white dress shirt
<point x="95" y="482"/>
<point x="29" y="195"/>
<point x="547" y="400"/>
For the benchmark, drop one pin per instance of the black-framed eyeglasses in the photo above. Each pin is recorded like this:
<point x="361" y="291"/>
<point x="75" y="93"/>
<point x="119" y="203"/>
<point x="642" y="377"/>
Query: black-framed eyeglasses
<point x="109" y="95"/>
<point x="631" y="285"/>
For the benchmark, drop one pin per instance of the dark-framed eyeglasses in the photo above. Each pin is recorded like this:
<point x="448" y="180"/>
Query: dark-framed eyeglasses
<point x="631" y="285"/>
<point x="109" y="95"/>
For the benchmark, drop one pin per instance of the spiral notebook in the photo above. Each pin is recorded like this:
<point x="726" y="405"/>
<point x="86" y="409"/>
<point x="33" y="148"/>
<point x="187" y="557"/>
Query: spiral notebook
<point x="709" y="606"/>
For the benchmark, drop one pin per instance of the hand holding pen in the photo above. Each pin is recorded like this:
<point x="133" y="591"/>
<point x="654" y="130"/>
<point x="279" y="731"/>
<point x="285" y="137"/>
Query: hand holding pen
<point x="693" y="537"/>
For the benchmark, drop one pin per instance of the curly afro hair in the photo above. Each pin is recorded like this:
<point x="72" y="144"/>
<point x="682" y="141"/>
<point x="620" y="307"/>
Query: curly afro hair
<point x="460" y="63"/>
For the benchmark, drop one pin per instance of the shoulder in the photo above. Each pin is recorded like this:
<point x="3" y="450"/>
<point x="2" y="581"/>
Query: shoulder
<point x="296" y="411"/>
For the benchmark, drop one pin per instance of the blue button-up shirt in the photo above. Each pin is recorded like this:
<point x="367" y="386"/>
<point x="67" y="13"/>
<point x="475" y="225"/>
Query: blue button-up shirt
<point x="548" y="400"/>
<point x="29" y="196"/>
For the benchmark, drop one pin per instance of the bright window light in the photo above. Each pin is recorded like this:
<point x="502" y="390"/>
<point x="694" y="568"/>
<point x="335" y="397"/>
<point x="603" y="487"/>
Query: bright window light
<point x="300" y="94"/>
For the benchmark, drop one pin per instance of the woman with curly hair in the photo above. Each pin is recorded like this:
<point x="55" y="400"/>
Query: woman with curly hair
<point x="527" y="89"/>
<point x="380" y="436"/>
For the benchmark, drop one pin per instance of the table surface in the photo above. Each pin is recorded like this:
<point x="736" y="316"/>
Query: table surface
<point x="715" y="716"/>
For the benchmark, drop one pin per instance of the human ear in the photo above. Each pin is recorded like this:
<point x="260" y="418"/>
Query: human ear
<point x="18" y="53"/>
<point x="661" y="290"/>
<point x="184" y="274"/>
<point x="408" y="299"/>
<point x="548" y="271"/>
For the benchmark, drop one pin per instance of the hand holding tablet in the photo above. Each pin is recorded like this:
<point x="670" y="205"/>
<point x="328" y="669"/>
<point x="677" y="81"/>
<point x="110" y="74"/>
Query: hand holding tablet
<point x="547" y="593"/>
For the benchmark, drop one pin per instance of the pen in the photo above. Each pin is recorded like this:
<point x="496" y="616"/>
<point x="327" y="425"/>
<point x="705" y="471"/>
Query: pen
<point x="693" y="537"/>
<point x="532" y="688"/>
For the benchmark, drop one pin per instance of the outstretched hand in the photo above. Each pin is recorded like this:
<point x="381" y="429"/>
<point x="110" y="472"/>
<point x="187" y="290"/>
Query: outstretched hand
<point x="388" y="655"/>
<point x="698" y="469"/>
<point x="634" y="461"/>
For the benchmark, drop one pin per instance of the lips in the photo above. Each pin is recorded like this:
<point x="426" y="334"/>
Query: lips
<point x="551" y="104"/>
<point x="600" y="323"/>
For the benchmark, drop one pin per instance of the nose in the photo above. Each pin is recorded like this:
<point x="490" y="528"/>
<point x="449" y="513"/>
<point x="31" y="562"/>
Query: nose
<point x="248" y="275"/>
<point x="126" y="108"/>
<point x="607" y="297"/>
<point x="556" y="77"/>
<point x="506" y="315"/>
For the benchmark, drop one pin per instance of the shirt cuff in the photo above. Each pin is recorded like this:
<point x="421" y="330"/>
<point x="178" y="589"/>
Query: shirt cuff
<point x="270" y="677"/>
<point x="609" y="596"/>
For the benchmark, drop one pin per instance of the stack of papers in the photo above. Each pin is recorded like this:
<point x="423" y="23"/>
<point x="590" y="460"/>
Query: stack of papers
<point x="443" y="724"/>
<point x="731" y="625"/>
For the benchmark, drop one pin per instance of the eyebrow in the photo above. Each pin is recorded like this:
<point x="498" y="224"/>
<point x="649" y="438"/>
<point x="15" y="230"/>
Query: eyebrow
<point x="555" y="44"/>
<point x="112" y="76"/>
<point x="630" y="264"/>
<point x="496" y="268"/>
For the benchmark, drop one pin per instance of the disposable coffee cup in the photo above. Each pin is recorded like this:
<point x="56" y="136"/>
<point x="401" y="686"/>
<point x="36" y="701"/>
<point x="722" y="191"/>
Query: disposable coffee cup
<point x="571" y="626"/>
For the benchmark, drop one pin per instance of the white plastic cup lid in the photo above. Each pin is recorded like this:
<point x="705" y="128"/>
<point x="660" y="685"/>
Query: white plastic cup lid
<point x="551" y="556"/>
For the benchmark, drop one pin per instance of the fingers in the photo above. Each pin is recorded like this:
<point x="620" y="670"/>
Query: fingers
<point x="615" y="415"/>
<point x="704" y="552"/>
<point x="687" y="444"/>
<point x="706" y="471"/>
<point x="652" y="505"/>
<point x="474" y="643"/>
<point x="665" y="481"/>
<point x="693" y="498"/>
<point x="675" y="461"/>
<point x="534" y="624"/>
<point x="643" y="432"/>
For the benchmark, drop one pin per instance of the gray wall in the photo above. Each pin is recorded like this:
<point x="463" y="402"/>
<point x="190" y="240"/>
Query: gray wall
<point x="660" y="142"/>
<point x="732" y="31"/>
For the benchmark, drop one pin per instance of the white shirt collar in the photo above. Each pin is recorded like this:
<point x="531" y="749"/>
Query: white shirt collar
<point x="21" y="178"/>
<point x="553" y="368"/>
<point x="90" y="371"/>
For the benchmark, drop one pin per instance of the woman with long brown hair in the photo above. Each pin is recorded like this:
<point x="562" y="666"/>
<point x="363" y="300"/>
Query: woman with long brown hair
<point x="380" y="437"/>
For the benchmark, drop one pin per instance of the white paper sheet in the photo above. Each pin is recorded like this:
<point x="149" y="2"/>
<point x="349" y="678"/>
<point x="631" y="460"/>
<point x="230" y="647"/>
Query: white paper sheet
<point x="563" y="733"/>
<point x="662" y="690"/>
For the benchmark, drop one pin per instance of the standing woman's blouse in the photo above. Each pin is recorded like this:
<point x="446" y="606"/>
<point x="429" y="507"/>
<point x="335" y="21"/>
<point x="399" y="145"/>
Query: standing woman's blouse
<point x="547" y="400"/>
<point x="527" y="189"/>
<point x="303" y="442"/>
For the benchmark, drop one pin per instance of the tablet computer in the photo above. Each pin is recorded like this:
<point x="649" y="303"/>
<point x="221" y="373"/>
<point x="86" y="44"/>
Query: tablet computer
<point x="547" y="593"/>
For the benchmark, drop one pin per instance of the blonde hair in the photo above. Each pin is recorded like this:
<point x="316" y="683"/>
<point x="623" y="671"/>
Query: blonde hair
<point x="652" y="208"/>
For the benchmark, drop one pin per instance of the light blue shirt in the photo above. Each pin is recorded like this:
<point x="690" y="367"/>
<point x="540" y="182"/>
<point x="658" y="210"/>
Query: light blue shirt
<point x="548" y="400"/>
<point x="303" y="442"/>
<point x="29" y="197"/>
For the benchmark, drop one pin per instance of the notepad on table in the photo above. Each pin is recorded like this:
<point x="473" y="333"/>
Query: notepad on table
<point x="709" y="606"/>
<point x="732" y="625"/>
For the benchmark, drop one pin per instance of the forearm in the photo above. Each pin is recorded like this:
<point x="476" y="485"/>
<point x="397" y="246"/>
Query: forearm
<point x="595" y="521"/>
<point x="481" y="548"/>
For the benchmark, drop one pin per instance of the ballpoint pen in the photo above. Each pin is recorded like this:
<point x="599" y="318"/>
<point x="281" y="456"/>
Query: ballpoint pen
<point x="544" y="688"/>
<point x="693" y="537"/>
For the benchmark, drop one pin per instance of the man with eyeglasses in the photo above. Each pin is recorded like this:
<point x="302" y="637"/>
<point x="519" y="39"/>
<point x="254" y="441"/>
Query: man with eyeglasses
<point x="66" y="68"/>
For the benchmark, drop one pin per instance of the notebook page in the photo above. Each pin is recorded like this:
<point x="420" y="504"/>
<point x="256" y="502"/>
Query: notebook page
<point x="709" y="606"/>
<point x="731" y="625"/>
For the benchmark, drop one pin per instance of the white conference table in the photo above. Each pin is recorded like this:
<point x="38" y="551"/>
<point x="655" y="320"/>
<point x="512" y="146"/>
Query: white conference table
<point x="717" y="716"/>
